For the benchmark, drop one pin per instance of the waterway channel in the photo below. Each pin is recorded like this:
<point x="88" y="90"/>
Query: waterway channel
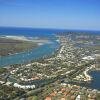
<point x="40" y="51"/>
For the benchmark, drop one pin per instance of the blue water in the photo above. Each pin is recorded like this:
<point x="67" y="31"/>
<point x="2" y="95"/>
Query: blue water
<point x="28" y="31"/>
<point x="41" y="51"/>
<point x="36" y="31"/>
<point x="96" y="81"/>
<point x="35" y="82"/>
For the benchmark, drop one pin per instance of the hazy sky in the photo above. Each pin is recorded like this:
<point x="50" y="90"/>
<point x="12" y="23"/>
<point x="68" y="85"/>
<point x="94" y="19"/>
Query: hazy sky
<point x="65" y="14"/>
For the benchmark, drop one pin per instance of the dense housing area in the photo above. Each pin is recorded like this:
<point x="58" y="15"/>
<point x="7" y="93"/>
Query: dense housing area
<point x="48" y="78"/>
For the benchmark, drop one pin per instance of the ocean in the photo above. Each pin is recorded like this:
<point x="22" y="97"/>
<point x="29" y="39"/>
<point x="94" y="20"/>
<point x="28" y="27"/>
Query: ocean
<point x="36" y="31"/>
<point x="28" y="31"/>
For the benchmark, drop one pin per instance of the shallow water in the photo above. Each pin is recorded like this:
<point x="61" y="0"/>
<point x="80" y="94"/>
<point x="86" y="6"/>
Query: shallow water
<point x="40" y="51"/>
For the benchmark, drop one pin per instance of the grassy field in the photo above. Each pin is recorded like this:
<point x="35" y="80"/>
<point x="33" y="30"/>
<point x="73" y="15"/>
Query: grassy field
<point x="8" y="47"/>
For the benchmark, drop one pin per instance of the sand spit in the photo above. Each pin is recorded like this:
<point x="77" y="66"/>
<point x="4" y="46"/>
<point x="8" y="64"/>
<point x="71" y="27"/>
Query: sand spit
<point x="23" y="38"/>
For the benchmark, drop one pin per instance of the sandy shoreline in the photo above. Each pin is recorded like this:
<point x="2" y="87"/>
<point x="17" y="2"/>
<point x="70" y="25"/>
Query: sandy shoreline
<point x="23" y="38"/>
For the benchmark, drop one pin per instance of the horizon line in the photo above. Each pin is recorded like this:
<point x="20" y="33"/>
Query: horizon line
<point x="48" y="28"/>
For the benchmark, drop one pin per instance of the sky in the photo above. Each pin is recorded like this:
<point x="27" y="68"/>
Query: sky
<point x="60" y="14"/>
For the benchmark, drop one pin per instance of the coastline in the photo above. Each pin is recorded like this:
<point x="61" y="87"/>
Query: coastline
<point x="60" y="56"/>
<point x="90" y="84"/>
<point x="53" y="45"/>
<point x="25" y="38"/>
<point x="10" y="47"/>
